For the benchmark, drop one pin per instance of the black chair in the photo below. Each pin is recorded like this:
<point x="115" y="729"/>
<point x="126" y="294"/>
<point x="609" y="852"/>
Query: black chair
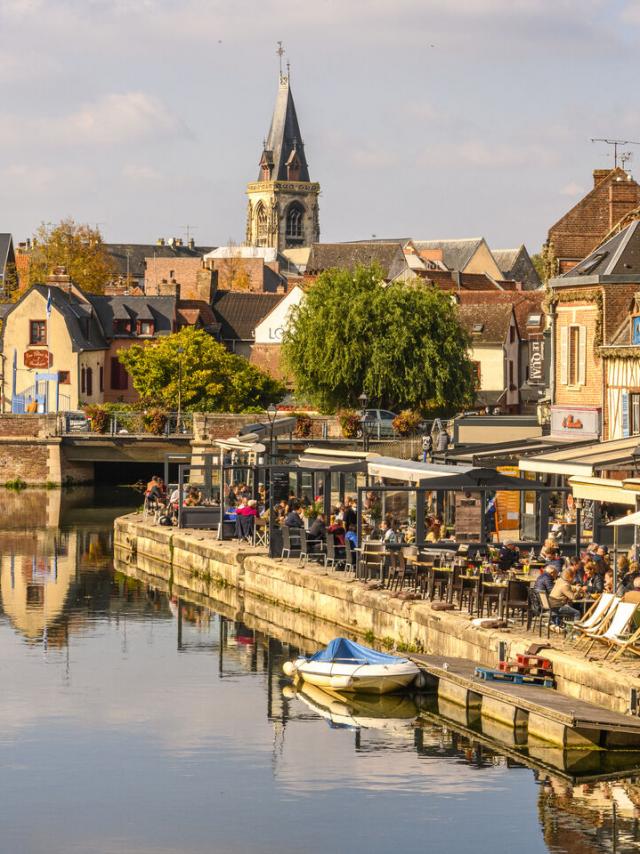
<point x="349" y="557"/>
<point x="516" y="598"/>
<point x="244" y="527"/>
<point x="539" y="611"/>
<point x="290" y="541"/>
<point x="372" y="561"/>
<point x="310" y="548"/>
<point x="335" y="553"/>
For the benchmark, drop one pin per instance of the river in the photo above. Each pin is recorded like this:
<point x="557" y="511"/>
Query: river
<point x="133" y="722"/>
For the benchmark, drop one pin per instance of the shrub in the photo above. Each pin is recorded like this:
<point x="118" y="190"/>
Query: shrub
<point x="304" y="427"/>
<point x="155" y="421"/>
<point x="98" y="416"/>
<point x="17" y="483"/>
<point x="407" y="422"/>
<point x="350" y="423"/>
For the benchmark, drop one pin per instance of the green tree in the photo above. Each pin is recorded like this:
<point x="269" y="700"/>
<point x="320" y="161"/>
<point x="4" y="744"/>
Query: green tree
<point x="212" y="379"/>
<point x="545" y="262"/>
<point x="78" y="248"/>
<point x="402" y="344"/>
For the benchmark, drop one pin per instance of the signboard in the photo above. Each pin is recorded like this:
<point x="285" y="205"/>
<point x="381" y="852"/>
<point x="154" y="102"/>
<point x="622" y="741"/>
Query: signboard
<point x="536" y="362"/>
<point x="635" y="329"/>
<point x="508" y="504"/>
<point x="37" y="359"/>
<point x="468" y="516"/>
<point x="581" y="422"/>
<point x="280" y="485"/>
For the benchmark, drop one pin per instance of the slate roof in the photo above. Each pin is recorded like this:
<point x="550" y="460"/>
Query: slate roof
<point x="451" y="281"/>
<point x="456" y="254"/>
<point x="348" y="256"/>
<point x="517" y="264"/>
<point x="137" y="252"/>
<point x="284" y="136"/>
<point x="83" y="324"/>
<point x="618" y="256"/>
<point x="162" y="310"/>
<point x="239" y="312"/>
<point x="495" y="321"/>
<point x="192" y="311"/>
<point x="6" y="252"/>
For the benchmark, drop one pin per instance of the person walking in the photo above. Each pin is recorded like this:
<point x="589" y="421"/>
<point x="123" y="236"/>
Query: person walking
<point x="427" y="448"/>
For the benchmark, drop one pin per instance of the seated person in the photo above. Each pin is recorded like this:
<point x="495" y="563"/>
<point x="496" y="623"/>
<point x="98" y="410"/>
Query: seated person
<point x="318" y="529"/>
<point x="337" y="529"/>
<point x="194" y="498"/>
<point x="389" y="535"/>
<point x="508" y="556"/>
<point x="293" y="519"/>
<point x="352" y="536"/>
<point x="545" y="581"/>
<point x="564" y="593"/>
<point x="246" y="513"/>
<point x="608" y="581"/>
<point x="555" y="559"/>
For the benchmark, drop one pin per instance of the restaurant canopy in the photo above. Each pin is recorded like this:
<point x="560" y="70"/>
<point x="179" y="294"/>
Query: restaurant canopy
<point x="329" y="460"/>
<point x="585" y="460"/>
<point x="410" y="471"/>
<point x="480" y="479"/>
<point x="630" y="519"/>
<point x="603" y="489"/>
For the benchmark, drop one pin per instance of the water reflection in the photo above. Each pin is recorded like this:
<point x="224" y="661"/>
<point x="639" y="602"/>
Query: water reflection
<point x="126" y="692"/>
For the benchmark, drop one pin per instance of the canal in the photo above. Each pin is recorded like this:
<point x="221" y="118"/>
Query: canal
<point x="135" y="722"/>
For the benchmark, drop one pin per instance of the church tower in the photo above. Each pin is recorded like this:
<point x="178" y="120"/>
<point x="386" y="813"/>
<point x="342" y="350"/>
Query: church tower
<point x="283" y="203"/>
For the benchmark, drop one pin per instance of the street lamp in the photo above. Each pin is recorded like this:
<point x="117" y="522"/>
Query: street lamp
<point x="364" y="400"/>
<point x="272" y="411"/>
<point x="180" y="351"/>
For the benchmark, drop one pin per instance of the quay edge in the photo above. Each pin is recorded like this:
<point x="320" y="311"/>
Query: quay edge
<point x="202" y="563"/>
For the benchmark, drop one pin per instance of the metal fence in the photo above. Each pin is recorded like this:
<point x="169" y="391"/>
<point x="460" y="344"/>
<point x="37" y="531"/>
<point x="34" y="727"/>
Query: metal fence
<point x="128" y="422"/>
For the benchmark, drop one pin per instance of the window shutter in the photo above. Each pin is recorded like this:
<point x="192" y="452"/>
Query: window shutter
<point x="564" y="355"/>
<point x="625" y="414"/>
<point x="582" y="355"/>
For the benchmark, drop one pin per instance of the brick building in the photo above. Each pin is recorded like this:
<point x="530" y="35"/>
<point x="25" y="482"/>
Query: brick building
<point x="586" y="225"/>
<point x="596" y="357"/>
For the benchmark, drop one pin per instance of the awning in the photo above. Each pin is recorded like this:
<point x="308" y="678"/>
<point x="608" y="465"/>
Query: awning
<point x="631" y="519"/>
<point x="262" y="429"/>
<point x="583" y="461"/>
<point x="482" y="478"/>
<point x="410" y="471"/>
<point x="602" y="489"/>
<point x="329" y="460"/>
<point x="247" y="443"/>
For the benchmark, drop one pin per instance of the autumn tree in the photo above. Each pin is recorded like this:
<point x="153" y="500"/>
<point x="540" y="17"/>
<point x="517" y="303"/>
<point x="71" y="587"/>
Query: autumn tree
<point x="78" y="248"/>
<point x="207" y="376"/>
<point x="401" y="344"/>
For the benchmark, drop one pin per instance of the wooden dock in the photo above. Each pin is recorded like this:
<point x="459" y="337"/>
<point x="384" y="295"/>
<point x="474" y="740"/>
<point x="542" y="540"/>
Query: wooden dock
<point x="543" y="713"/>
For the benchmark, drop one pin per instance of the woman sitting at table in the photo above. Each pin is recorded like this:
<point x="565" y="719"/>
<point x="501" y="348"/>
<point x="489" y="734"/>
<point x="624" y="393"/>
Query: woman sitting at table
<point x="337" y="529"/>
<point x="547" y="548"/>
<point x="194" y="497"/>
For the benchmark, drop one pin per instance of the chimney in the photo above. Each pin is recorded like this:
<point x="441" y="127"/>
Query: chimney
<point x="623" y="197"/>
<point x="172" y="242"/>
<point x="160" y="241"/>
<point x="59" y="278"/>
<point x="192" y="243"/>
<point x="178" y="241"/>
<point x="599" y="175"/>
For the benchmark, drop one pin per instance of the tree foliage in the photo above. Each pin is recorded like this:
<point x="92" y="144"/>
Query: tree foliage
<point x="78" y="248"/>
<point x="402" y="345"/>
<point x="212" y="379"/>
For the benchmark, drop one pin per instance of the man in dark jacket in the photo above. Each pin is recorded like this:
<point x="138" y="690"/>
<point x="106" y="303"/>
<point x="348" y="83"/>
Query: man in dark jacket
<point x="318" y="529"/>
<point x="293" y="519"/>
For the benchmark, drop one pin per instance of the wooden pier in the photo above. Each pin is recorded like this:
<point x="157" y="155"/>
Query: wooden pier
<point x="534" y="713"/>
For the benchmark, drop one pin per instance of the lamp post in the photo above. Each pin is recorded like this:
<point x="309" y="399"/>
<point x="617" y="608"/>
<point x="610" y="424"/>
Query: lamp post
<point x="364" y="400"/>
<point x="272" y="411"/>
<point x="179" y="420"/>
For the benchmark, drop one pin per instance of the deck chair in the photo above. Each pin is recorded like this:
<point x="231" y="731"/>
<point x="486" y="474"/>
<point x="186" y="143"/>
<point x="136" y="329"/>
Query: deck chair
<point x="615" y="630"/>
<point x="594" y="617"/>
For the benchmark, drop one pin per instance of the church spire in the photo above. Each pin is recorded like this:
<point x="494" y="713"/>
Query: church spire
<point x="284" y="147"/>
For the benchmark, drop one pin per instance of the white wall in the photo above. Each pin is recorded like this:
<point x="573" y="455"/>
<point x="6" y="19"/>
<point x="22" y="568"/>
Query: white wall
<point x="271" y="328"/>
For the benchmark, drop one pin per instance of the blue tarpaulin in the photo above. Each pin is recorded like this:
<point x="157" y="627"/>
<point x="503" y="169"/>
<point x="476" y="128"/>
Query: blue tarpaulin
<point x="342" y="649"/>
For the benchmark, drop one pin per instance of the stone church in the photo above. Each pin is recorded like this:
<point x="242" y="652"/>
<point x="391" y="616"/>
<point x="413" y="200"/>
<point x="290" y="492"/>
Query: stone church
<point x="283" y="203"/>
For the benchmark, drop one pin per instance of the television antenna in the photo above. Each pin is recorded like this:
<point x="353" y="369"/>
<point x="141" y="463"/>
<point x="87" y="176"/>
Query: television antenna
<point x="616" y="143"/>
<point x="189" y="228"/>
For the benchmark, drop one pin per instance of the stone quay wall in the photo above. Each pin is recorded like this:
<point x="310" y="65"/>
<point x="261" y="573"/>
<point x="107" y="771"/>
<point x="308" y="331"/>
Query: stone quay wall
<point x="285" y="594"/>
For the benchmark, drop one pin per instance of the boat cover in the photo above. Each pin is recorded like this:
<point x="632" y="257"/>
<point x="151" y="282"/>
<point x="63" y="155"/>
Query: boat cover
<point x="343" y="649"/>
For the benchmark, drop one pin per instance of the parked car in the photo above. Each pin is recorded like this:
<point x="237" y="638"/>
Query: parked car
<point x="378" y="423"/>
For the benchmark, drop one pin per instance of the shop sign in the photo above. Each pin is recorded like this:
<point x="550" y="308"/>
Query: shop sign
<point x="37" y="359"/>
<point x="583" y="422"/>
<point x="536" y="362"/>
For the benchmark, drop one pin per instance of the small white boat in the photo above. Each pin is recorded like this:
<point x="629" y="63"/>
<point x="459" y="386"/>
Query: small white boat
<point x="347" y="666"/>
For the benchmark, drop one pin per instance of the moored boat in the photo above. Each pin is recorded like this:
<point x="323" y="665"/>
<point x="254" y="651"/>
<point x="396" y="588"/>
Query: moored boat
<point x="348" y="666"/>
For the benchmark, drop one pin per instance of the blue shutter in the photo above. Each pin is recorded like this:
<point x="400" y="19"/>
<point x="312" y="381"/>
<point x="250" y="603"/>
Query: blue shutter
<point x="625" y="414"/>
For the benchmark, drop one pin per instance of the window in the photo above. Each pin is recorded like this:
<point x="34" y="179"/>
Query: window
<point x="534" y="320"/>
<point x="121" y="327"/>
<point x="37" y="332"/>
<point x="64" y="377"/>
<point x="573" y="355"/>
<point x="477" y="373"/>
<point x="101" y="378"/>
<point x="83" y="380"/>
<point x="145" y="327"/>
<point x="119" y="376"/>
<point x="261" y="225"/>
<point x="634" y="413"/>
<point x="295" y="221"/>
<point x="512" y="334"/>
<point x="477" y="328"/>
<point x="89" y="381"/>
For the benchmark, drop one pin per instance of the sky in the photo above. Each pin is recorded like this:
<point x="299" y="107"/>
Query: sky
<point x="422" y="118"/>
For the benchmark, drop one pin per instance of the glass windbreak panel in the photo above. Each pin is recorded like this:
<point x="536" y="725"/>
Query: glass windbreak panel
<point x="306" y="487"/>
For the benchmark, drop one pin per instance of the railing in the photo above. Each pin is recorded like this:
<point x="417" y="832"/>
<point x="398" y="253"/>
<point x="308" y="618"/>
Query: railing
<point x="128" y="423"/>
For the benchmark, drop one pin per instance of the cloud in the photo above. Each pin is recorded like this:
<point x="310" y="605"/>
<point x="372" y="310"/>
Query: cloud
<point x="572" y="189"/>
<point x="141" y="172"/>
<point x="113" y="119"/>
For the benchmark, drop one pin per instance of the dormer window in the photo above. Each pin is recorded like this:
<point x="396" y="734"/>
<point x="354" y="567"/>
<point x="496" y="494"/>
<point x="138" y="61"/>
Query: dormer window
<point x="477" y="328"/>
<point x="293" y="168"/>
<point x="121" y="327"/>
<point x="145" y="327"/>
<point x="533" y="320"/>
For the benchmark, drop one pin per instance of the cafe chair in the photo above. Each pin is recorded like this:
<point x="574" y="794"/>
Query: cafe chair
<point x="335" y="554"/>
<point x="539" y="611"/>
<point x="290" y="542"/>
<point x="516" y="598"/>
<point x="349" y="557"/>
<point x="309" y="548"/>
